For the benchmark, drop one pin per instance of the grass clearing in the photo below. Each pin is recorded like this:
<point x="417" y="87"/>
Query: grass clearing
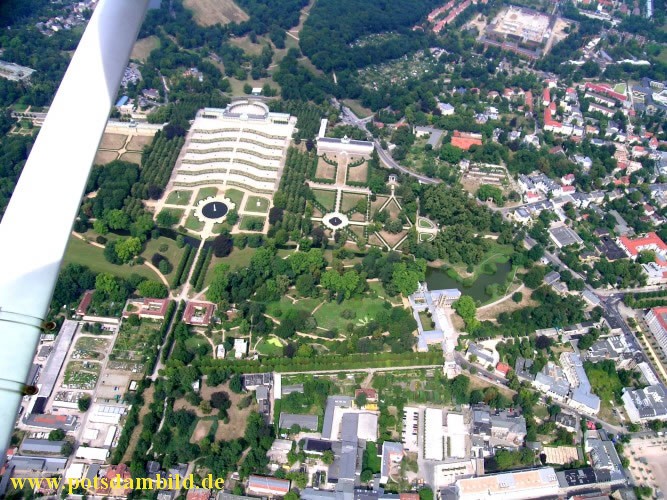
<point x="329" y="315"/>
<point x="326" y="198"/>
<point x="139" y="142"/>
<point x="251" y="223"/>
<point x="210" y="12"/>
<point x="143" y="48"/>
<point x="206" y="192"/>
<point x="104" y="157"/>
<point x="267" y="347"/>
<point x="237" y="259"/>
<point x="175" y="212"/>
<point x="357" y="108"/>
<point x="131" y="157"/>
<point x="350" y="200"/>
<point x="235" y="196"/>
<point x="194" y="224"/>
<point x="179" y="197"/>
<point x="173" y="253"/>
<point x="113" y="141"/>
<point x="257" y="204"/>
<point x="80" y="252"/>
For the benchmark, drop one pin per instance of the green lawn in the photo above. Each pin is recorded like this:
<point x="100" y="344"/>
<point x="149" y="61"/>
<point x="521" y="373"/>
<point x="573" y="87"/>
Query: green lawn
<point x="195" y="341"/>
<point x="248" y="220"/>
<point x="426" y="224"/>
<point x="193" y="223"/>
<point x="173" y="253"/>
<point x="496" y="254"/>
<point x="379" y="289"/>
<point x="80" y="252"/>
<point x="238" y="258"/>
<point x="176" y="212"/>
<point x="350" y="200"/>
<point x="205" y="193"/>
<point x="179" y="197"/>
<point x="256" y="204"/>
<point x="218" y="228"/>
<point x="278" y="308"/>
<point x="357" y="108"/>
<point x="235" y="196"/>
<point x="329" y="315"/>
<point x="268" y="347"/>
<point x="326" y="198"/>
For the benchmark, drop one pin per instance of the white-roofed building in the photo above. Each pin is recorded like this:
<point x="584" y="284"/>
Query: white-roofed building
<point x="457" y="436"/>
<point x="522" y="485"/>
<point x="434" y="445"/>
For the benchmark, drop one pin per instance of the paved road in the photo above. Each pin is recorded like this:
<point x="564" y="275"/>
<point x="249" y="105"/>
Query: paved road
<point x="351" y="119"/>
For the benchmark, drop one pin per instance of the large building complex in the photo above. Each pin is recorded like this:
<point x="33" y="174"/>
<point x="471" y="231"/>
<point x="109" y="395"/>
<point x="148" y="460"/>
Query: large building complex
<point x="656" y="319"/>
<point x="243" y="145"/>
<point x="535" y="483"/>
<point x="520" y="30"/>
<point x="649" y="403"/>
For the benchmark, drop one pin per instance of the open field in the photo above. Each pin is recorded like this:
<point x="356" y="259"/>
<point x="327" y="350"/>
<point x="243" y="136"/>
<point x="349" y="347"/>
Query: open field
<point x="326" y="198"/>
<point x="132" y="157"/>
<point x="201" y="430"/>
<point x="90" y="348"/>
<point x="205" y="193"/>
<point x="324" y="170"/>
<point x="256" y="204"/>
<point x="173" y="253"/>
<point x="358" y="173"/>
<point x="80" y="252"/>
<point x="181" y="197"/>
<point x="249" y="47"/>
<point x="508" y="306"/>
<point x="237" y="418"/>
<point x="648" y="462"/>
<point x="143" y="48"/>
<point x="113" y="141"/>
<point x="350" y="200"/>
<point x="104" y="157"/>
<point x="329" y="315"/>
<point x="357" y="108"/>
<point x="210" y="12"/>
<point x="270" y="347"/>
<point x="139" y="142"/>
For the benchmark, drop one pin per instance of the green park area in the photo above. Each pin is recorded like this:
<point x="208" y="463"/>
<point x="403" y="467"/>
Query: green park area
<point x="270" y="347"/>
<point x="205" y="193"/>
<point x="180" y="197"/>
<point x="256" y="204"/>
<point x="359" y="310"/>
<point x="80" y="252"/>
<point x="235" y="196"/>
<point x="193" y="223"/>
<point x="165" y="247"/>
<point x="326" y="198"/>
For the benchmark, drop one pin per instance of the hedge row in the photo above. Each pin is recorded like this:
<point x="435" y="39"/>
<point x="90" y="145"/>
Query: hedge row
<point x="180" y="270"/>
<point x="169" y="341"/>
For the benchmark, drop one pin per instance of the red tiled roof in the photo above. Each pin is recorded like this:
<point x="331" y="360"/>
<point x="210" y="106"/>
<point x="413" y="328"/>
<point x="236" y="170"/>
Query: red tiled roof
<point x="605" y="89"/>
<point x="638" y="244"/>
<point x="192" y="308"/>
<point x="85" y="302"/>
<point x="198" y="494"/>
<point x="156" y="308"/>
<point x="371" y="394"/>
<point x="503" y="368"/>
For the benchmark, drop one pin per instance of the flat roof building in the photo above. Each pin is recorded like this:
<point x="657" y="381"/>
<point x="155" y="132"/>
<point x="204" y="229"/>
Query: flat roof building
<point x="267" y="486"/>
<point x="649" y="403"/>
<point x="434" y="446"/>
<point x="522" y="485"/>
<point x="305" y="422"/>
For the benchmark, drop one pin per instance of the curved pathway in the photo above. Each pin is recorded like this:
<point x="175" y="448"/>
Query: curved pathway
<point x="146" y="263"/>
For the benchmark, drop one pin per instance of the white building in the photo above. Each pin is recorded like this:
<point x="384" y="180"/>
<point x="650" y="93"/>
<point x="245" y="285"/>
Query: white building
<point x="240" y="348"/>
<point x="434" y="445"/>
<point x="646" y="404"/>
<point x="522" y="485"/>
